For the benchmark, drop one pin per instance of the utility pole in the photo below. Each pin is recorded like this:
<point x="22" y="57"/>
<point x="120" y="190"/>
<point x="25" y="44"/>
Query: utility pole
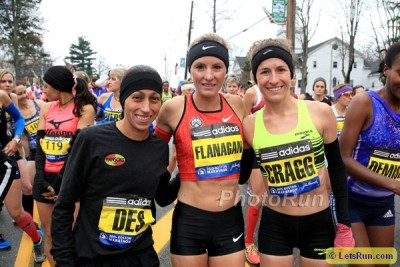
<point x="291" y="22"/>
<point x="165" y="66"/>
<point x="189" y="37"/>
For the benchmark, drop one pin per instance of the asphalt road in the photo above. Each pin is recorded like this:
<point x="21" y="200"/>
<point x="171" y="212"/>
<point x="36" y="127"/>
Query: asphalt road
<point x="18" y="249"/>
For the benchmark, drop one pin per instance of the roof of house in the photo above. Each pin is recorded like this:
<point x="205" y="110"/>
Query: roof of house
<point x="241" y="61"/>
<point x="372" y="65"/>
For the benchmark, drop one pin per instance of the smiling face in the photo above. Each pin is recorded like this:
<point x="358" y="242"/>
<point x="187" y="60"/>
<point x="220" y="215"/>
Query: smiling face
<point x="140" y="110"/>
<point x="273" y="79"/>
<point x="20" y="91"/>
<point x="208" y="74"/>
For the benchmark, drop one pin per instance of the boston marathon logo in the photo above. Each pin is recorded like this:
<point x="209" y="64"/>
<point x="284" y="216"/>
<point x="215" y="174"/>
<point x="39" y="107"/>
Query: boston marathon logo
<point x="385" y="162"/>
<point x="217" y="150"/>
<point x="289" y="168"/>
<point x="196" y="122"/>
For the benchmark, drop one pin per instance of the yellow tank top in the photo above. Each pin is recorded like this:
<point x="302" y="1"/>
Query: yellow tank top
<point x="290" y="161"/>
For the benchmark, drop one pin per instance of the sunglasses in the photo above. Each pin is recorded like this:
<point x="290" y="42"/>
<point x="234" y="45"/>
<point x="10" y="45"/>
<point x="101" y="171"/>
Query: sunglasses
<point x="348" y="94"/>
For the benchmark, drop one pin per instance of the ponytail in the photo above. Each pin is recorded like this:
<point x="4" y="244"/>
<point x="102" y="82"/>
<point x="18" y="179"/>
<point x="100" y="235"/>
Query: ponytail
<point x="83" y="96"/>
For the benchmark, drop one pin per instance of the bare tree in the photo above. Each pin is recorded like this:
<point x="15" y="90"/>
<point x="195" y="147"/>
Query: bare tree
<point x="352" y="10"/>
<point x="307" y="32"/>
<point x="101" y="66"/>
<point x="385" y="24"/>
<point x="219" y="15"/>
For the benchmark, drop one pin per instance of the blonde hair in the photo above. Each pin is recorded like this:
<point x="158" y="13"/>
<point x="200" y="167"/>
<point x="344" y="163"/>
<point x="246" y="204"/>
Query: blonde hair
<point x="83" y="75"/>
<point x="118" y="72"/>
<point x="232" y="78"/>
<point x="261" y="44"/>
<point x="210" y="37"/>
<point x="4" y="72"/>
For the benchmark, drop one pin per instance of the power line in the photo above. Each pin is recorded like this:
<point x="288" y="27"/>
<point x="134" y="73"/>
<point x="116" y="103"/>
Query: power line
<point x="248" y="28"/>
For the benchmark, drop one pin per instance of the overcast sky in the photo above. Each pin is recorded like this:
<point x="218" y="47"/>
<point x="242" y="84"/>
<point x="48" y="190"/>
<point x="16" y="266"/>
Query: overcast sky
<point x="155" y="32"/>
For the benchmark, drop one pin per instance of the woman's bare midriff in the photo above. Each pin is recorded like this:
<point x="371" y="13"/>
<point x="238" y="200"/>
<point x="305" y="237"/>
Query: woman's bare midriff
<point x="210" y="195"/>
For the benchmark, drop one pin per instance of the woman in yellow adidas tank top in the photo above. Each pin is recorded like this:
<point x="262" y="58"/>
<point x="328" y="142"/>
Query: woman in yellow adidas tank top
<point x="291" y="139"/>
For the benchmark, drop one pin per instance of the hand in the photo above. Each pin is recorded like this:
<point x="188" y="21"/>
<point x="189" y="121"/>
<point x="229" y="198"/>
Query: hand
<point x="50" y="194"/>
<point x="344" y="237"/>
<point x="11" y="148"/>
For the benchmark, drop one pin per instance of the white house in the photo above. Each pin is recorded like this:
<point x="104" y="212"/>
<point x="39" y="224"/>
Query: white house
<point x="324" y="60"/>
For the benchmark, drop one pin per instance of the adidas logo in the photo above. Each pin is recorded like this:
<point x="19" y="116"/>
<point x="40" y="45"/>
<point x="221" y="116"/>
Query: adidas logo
<point x="388" y="214"/>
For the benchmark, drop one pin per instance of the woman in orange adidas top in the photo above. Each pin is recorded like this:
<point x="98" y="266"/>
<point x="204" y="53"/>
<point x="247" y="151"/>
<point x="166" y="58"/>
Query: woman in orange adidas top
<point x="208" y="226"/>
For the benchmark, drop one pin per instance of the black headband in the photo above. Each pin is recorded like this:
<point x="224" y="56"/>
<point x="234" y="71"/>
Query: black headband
<point x="60" y="78"/>
<point x="208" y="48"/>
<point x="271" y="52"/>
<point x="137" y="78"/>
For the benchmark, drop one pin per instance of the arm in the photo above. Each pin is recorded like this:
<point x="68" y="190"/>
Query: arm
<point x="168" y="117"/>
<point x="248" y="99"/>
<point x="246" y="163"/>
<point x="336" y="168"/>
<point x="337" y="175"/>
<point x="11" y="108"/>
<point x="358" y="118"/>
<point x="77" y="169"/>
<point x="100" y="109"/>
<point x="87" y="116"/>
<point x="40" y="157"/>
<point x="168" y="189"/>
<point x="19" y="124"/>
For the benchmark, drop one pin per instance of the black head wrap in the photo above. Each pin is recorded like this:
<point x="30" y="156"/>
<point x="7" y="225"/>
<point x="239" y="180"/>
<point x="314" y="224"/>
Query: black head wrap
<point x="208" y="48"/>
<point x="60" y="78"/>
<point x="271" y="52"/>
<point x="137" y="78"/>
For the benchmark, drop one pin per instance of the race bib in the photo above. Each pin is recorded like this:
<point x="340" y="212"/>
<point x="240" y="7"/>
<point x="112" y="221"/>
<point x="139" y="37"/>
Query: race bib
<point x="289" y="168"/>
<point x="217" y="150"/>
<point x="32" y="126"/>
<point x="385" y="162"/>
<point x="340" y="124"/>
<point x="55" y="148"/>
<point x="113" y="115"/>
<point x="123" y="219"/>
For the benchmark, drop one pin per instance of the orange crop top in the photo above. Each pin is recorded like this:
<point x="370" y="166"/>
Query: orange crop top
<point x="209" y="145"/>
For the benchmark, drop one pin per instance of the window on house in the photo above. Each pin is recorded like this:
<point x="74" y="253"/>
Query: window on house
<point x="334" y="81"/>
<point x="314" y="64"/>
<point x="335" y="64"/>
<point x="355" y="65"/>
<point x="298" y="83"/>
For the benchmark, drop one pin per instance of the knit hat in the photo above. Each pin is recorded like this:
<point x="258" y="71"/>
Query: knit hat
<point x="60" y="78"/>
<point x="137" y="78"/>
<point x="319" y="79"/>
